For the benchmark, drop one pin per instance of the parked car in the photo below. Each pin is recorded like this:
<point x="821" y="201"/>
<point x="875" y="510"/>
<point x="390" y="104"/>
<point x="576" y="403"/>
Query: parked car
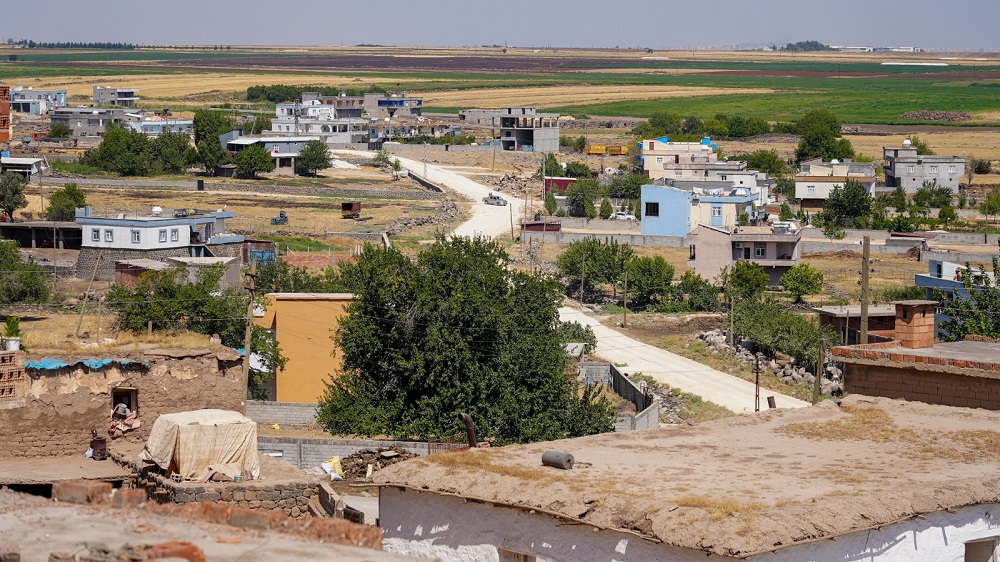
<point x="492" y="199"/>
<point x="623" y="216"/>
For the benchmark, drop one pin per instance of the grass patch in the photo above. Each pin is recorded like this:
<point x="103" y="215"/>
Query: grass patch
<point x="865" y="423"/>
<point x="696" y="409"/>
<point x="78" y="168"/>
<point x="719" y="509"/>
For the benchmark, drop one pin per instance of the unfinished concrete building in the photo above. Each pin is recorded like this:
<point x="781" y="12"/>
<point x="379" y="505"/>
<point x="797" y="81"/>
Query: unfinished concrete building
<point x="521" y="128"/>
<point x="123" y="97"/>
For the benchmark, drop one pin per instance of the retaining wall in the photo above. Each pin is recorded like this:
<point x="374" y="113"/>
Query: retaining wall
<point x="309" y="452"/>
<point x="647" y="419"/>
<point x="956" y="257"/>
<point x="621" y="227"/>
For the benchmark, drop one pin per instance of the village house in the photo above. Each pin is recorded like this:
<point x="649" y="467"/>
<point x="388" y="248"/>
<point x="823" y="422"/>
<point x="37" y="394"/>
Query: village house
<point x="913" y="366"/>
<point x="673" y="208"/>
<point x="769" y="487"/>
<point x="155" y="127"/>
<point x="845" y="320"/>
<point x="520" y="128"/>
<point x="302" y="324"/>
<point x="37" y="102"/>
<point x="817" y="179"/>
<point x="157" y="234"/>
<point x="283" y="150"/>
<point x="909" y="170"/>
<point x="776" y="248"/>
<point x="28" y="167"/>
<point x="122" y="97"/>
<point x="699" y="161"/>
<point x="90" y="122"/>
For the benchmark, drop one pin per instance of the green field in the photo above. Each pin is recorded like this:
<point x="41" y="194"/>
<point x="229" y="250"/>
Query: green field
<point x="869" y="99"/>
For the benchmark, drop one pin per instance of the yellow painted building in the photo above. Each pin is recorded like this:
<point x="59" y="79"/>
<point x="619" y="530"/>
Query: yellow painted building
<point x="302" y="323"/>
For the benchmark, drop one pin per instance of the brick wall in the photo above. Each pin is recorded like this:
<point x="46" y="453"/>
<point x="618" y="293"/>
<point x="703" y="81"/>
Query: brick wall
<point x="282" y="413"/>
<point x="931" y="387"/>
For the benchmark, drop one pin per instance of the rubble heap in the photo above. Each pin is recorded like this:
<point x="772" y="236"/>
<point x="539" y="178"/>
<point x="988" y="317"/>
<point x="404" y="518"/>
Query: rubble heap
<point x="356" y="465"/>
<point x="509" y="183"/>
<point x="787" y="370"/>
<point x="449" y="210"/>
<point x="952" y="116"/>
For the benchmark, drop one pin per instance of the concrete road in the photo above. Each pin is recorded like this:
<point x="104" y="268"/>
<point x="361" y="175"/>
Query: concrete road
<point x="690" y="376"/>
<point x="486" y="220"/>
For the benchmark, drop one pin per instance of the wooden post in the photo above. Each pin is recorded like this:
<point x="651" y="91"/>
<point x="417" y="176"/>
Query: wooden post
<point x="819" y="372"/>
<point x="511" y="209"/>
<point x="100" y="314"/>
<point x="149" y="327"/>
<point x="249" y="334"/>
<point x="865" y="278"/>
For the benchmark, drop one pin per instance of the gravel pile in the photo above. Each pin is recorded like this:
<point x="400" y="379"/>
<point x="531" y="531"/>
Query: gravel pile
<point x="356" y="465"/>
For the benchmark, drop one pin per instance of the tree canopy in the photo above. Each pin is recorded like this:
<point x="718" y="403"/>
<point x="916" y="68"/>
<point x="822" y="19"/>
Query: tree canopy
<point x="975" y="310"/>
<point x="21" y="281"/>
<point x="821" y="137"/>
<point x="766" y="161"/>
<point x="746" y="280"/>
<point x="593" y="262"/>
<point x="454" y="331"/>
<point x="802" y="280"/>
<point x="314" y="156"/>
<point x="12" y="193"/>
<point x="848" y="204"/>
<point x="649" y="279"/>
<point x="63" y="205"/>
<point x="253" y="160"/>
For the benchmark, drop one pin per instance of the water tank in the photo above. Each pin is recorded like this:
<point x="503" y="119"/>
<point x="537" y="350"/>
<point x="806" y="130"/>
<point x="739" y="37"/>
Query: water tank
<point x="157" y="211"/>
<point x="907" y="143"/>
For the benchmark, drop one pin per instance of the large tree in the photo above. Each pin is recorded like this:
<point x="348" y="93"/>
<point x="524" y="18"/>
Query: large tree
<point x="848" y="205"/>
<point x="802" y="280"/>
<point x="455" y="331"/>
<point x="12" y="193"/>
<point x="314" y="156"/>
<point x="767" y="161"/>
<point x="649" y="279"/>
<point x="170" y="150"/>
<point x="253" y="160"/>
<point x="746" y="280"/>
<point x="821" y="137"/>
<point x="974" y="309"/>
<point x="63" y="205"/>
<point x="21" y="282"/>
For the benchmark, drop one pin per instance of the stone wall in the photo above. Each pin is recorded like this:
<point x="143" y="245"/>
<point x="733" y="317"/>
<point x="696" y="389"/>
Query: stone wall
<point x="290" y="498"/>
<point x="61" y="406"/>
<point x="106" y="269"/>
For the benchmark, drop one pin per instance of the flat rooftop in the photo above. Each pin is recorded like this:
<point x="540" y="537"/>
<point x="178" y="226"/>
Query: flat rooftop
<point x="970" y="357"/>
<point x="744" y="485"/>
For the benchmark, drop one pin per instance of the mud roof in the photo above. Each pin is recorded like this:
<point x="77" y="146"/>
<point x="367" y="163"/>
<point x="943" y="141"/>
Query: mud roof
<point x="745" y="485"/>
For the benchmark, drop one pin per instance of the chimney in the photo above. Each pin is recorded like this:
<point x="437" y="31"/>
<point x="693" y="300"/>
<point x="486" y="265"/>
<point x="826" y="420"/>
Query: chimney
<point x="915" y="323"/>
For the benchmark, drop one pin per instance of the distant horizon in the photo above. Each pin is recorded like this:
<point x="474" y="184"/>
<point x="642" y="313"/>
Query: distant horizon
<point x="961" y="26"/>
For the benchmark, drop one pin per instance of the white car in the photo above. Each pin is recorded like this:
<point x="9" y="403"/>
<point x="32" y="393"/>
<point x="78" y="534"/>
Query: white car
<point x="623" y="216"/>
<point x="494" y="200"/>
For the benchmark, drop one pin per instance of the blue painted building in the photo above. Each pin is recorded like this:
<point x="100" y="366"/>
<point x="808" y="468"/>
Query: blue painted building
<point x="945" y="279"/>
<point x="676" y="208"/>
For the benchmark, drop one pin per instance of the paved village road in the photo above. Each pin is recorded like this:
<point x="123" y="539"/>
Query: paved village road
<point x="690" y="376"/>
<point x="487" y="220"/>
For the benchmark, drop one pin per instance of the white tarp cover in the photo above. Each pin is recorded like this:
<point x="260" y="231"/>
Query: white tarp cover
<point x="186" y="443"/>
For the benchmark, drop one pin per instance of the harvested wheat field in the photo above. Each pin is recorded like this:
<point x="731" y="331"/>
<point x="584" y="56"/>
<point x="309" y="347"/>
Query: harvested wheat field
<point x="194" y="87"/>
<point x="557" y="96"/>
<point x="982" y="144"/>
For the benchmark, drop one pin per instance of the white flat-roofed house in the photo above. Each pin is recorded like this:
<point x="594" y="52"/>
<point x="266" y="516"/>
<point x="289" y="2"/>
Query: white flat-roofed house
<point x="158" y="234"/>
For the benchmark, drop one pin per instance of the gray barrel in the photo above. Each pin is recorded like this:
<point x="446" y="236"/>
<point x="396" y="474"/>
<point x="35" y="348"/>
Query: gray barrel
<point x="556" y="459"/>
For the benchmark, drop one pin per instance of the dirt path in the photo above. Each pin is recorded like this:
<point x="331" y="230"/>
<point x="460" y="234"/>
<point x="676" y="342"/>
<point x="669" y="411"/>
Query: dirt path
<point x="681" y="373"/>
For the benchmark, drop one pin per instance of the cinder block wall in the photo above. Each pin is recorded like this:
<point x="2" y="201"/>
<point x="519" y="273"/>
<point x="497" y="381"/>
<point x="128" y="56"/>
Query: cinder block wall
<point x="923" y="386"/>
<point x="282" y="413"/>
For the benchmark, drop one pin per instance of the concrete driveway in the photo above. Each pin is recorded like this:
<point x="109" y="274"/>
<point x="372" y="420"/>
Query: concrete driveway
<point x="690" y="376"/>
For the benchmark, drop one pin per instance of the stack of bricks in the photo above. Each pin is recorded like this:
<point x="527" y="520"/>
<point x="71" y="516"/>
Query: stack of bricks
<point x="13" y="381"/>
<point x="915" y="324"/>
<point x="5" y="127"/>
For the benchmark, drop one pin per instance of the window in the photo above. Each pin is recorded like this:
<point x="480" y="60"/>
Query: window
<point x="163" y="235"/>
<point x="109" y="235"/>
<point x="511" y="556"/>
<point x="678" y="173"/>
<point x="759" y="250"/>
<point x="909" y="169"/>
<point x="691" y="252"/>
<point x="95" y="235"/>
<point x="952" y="169"/>
<point x="652" y="209"/>
<point x="716" y="211"/>
<point x="934" y="169"/>
<point x="811" y="189"/>
<point x="175" y="235"/>
<point x="136" y="237"/>
<point x="125" y="395"/>
<point x="659" y="159"/>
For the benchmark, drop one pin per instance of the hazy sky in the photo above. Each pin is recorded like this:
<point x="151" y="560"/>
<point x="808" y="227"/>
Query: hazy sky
<point x="958" y="24"/>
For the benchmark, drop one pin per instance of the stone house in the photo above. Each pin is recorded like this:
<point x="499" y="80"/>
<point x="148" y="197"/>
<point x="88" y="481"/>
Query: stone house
<point x="776" y="248"/>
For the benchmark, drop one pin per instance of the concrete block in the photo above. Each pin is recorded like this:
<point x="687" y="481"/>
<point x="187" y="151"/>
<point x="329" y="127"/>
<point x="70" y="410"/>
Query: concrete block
<point x="242" y="517"/>
<point x="329" y="499"/>
<point x="82" y="491"/>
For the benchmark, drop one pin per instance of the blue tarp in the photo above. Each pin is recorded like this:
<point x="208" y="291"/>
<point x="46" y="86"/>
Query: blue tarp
<point x="52" y="364"/>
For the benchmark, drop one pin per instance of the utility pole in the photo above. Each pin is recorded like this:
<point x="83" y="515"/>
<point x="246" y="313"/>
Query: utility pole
<point x="756" y="371"/>
<point x="865" y="271"/>
<point x="249" y="334"/>
<point x="425" y="159"/>
<point x="819" y="372"/>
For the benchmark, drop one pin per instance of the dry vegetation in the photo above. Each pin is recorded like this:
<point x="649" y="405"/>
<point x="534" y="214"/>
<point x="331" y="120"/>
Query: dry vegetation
<point x="58" y="332"/>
